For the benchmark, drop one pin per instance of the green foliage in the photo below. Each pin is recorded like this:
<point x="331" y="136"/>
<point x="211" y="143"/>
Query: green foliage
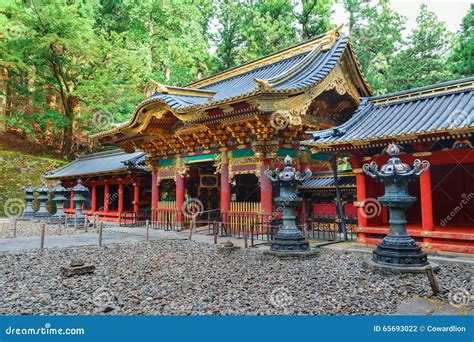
<point x="376" y="32"/>
<point x="462" y="58"/>
<point x="17" y="170"/>
<point x="424" y="60"/>
<point x="77" y="67"/>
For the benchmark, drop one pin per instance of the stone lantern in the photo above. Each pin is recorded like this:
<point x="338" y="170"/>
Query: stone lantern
<point x="79" y="191"/>
<point x="42" y="212"/>
<point x="397" y="251"/>
<point x="28" y="213"/>
<point x="289" y="241"/>
<point x="59" y="198"/>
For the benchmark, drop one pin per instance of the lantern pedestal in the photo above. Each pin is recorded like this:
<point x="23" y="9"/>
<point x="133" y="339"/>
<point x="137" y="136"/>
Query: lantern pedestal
<point x="79" y="190"/>
<point x="59" y="198"/>
<point x="28" y="213"/>
<point x="397" y="251"/>
<point x="289" y="242"/>
<point x="42" y="213"/>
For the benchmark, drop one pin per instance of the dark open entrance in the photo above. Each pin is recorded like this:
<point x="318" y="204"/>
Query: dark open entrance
<point x="204" y="184"/>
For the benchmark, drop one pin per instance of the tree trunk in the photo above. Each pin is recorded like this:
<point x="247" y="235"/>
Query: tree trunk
<point x="67" y="131"/>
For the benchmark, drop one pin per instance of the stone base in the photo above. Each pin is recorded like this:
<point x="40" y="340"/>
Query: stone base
<point x="293" y="254"/>
<point x="397" y="269"/>
<point x="70" y="271"/>
<point x="400" y="251"/>
<point x="289" y="242"/>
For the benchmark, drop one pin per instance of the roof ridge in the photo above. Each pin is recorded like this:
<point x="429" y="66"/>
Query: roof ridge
<point x="463" y="84"/>
<point x="106" y="153"/>
<point x="288" y="52"/>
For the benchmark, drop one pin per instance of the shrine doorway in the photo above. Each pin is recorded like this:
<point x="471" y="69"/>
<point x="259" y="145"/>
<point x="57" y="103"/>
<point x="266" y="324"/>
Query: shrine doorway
<point x="203" y="183"/>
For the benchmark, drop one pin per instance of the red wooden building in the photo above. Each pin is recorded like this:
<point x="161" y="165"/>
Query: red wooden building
<point x="433" y="123"/>
<point x="118" y="183"/>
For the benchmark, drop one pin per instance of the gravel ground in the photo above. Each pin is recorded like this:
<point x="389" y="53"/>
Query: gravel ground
<point x="27" y="228"/>
<point x="190" y="278"/>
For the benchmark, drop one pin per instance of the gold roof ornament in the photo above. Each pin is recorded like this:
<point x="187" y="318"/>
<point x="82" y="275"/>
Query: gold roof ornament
<point x="158" y="87"/>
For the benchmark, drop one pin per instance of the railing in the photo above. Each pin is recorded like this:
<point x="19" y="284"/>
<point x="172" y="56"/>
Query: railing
<point x="243" y="213"/>
<point x="245" y="207"/>
<point x="326" y="227"/>
<point x="170" y="205"/>
<point x="132" y="219"/>
<point x="262" y="229"/>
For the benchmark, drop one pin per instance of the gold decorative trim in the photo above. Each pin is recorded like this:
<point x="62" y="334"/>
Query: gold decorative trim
<point x="422" y="154"/>
<point x="287" y="53"/>
<point x="423" y="93"/>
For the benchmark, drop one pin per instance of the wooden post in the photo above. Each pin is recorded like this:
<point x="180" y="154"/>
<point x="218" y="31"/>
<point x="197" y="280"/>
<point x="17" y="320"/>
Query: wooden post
<point x="361" y="196"/>
<point x="75" y="221"/>
<point x="136" y="198"/>
<point x="120" y="198"/>
<point x="101" y="228"/>
<point x="433" y="281"/>
<point x="179" y="198"/>
<point x="154" y="194"/>
<point x="426" y="204"/>
<point x="42" y="233"/>
<point x="246" y="243"/>
<point x="85" y="222"/>
<point x="106" y="198"/>
<point x="225" y="185"/>
<point x="94" y="198"/>
<point x="266" y="189"/>
<point x="96" y="219"/>
<point x="147" y="224"/>
<point x="215" y="231"/>
<point x="13" y="222"/>
<point x="191" y="226"/>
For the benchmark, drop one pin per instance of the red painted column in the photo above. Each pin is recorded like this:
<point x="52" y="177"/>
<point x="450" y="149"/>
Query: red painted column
<point x="225" y="185"/>
<point x="94" y="198"/>
<point x="154" y="194"/>
<point x="136" y="196"/>
<point x="179" y="197"/>
<point x="120" y="199"/>
<point x="426" y="204"/>
<point x="265" y="189"/>
<point x="106" y="198"/>
<point x="361" y="196"/>
<point x="71" y="202"/>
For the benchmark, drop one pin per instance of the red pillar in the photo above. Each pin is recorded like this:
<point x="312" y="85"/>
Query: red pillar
<point x="106" y="198"/>
<point x="71" y="202"/>
<point x="265" y="189"/>
<point x="120" y="199"/>
<point x="136" y="196"/>
<point x="426" y="204"/>
<point x="154" y="194"/>
<point x="361" y="196"/>
<point x="225" y="185"/>
<point x="94" y="198"/>
<point x="179" y="197"/>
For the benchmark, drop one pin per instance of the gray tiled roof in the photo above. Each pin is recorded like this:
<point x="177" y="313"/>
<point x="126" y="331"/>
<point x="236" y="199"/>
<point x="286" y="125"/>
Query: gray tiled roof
<point x="244" y="83"/>
<point x="415" y="111"/>
<point x="102" y="162"/>
<point x="324" y="180"/>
